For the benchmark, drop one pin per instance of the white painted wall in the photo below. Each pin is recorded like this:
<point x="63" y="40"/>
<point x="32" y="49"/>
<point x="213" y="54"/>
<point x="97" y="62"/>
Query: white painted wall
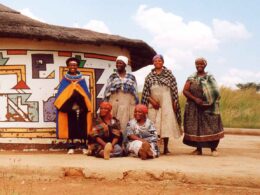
<point x="42" y="89"/>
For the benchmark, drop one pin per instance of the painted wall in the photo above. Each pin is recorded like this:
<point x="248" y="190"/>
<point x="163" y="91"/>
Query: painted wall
<point x="30" y="72"/>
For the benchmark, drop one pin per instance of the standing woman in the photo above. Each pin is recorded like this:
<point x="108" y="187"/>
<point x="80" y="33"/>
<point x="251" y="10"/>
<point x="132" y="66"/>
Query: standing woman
<point x="121" y="92"/>
<point x="202" y="122"/>
<point x="74" y="111"/>
<point x="160" y="94"/>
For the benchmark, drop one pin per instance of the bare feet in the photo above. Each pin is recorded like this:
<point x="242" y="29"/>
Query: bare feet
<point x="71" y="151"/>
<point x="145" y="151"/>
<point x="166" y="151"/>
<point x="196" y="152"/>
<point x="107" y="150"/>
<point x="214" y="153"/>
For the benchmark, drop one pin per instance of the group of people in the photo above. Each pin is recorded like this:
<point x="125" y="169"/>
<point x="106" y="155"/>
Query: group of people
<point x="126" y="126"/>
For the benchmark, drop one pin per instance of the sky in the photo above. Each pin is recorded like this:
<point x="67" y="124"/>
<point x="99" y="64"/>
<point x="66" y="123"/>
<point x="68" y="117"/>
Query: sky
<point x="225" y="32"/>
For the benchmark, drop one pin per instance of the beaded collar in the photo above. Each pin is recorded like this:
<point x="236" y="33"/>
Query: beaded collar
<point x="73" y="77"/>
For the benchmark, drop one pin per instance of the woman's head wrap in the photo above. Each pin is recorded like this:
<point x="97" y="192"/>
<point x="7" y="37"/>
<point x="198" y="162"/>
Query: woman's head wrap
<point x="158" y="56"/>
<point x="142" y="107"/>
<point x="107" y="105"/>
<point x="72" y="59"/>
<point x="122" y="58"/>
<point x="201" y="59"/>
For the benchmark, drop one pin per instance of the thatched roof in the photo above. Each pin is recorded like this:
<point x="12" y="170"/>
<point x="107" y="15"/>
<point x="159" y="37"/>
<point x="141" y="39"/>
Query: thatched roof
<point x="15" y="25"/>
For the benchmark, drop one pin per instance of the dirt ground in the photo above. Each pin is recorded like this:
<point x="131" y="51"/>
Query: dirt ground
<point x="235" y="171"/>
<point x="81" y="186"/>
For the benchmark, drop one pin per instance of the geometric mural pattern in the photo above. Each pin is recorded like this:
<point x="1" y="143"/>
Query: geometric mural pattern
<point x="39" y="63"/>
<point x="18" y="109"/>
<point x="49" y="111"/>
<point x="19" y="71"/>
<point x="17" y="104"/>
<point x="82" y="62"/>
<point x="3" y="61"/>
<point x="98" y="74"/>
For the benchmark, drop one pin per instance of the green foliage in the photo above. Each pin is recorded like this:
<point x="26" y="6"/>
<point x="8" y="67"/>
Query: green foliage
<point x="250" y="85"/>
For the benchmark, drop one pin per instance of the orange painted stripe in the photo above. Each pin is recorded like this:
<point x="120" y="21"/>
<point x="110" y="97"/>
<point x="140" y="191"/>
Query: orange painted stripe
<point x="16" y="52"/>
<point x="65" y="53"/>
<point x="100" y="56"/>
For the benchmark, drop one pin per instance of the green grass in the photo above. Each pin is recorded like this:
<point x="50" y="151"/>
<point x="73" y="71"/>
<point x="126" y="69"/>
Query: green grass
<point x="239" y="108"/>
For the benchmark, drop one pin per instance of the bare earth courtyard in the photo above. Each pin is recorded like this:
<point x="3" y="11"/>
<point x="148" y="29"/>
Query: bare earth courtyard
<point x="235" y="171"/>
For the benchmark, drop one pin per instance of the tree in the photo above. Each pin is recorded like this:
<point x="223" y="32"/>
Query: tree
<point x="249" y="85"/>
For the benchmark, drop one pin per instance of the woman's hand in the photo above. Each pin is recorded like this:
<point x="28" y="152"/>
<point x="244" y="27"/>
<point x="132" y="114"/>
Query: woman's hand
<point x="154" y="103"/>
<point x="198" y="101"/>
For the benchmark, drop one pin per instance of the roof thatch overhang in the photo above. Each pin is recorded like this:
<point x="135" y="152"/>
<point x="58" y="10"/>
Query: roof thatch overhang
<point x="15" y="25"/>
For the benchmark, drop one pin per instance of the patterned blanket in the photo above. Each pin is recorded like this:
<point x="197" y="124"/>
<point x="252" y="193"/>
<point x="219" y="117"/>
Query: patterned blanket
<point x="166" y="78"/>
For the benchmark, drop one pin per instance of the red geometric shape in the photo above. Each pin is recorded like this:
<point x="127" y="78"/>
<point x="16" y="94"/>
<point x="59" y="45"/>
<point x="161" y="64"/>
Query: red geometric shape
<point x="16" y="52"/>
<point x="99" y="56"/>
<point x="65" y="53"/>
<point x="21" y="85"/>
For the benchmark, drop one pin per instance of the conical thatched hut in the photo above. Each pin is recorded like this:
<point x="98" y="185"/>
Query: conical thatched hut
<point x="32" y="62"/>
